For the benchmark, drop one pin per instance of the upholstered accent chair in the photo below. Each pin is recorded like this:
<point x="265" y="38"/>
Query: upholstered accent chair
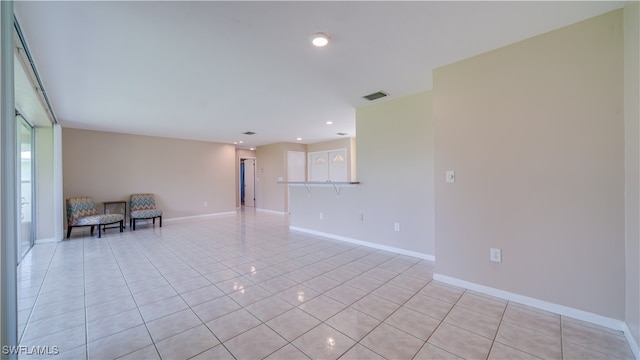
<point x="143" y="206"/>
<point x="81" y="211"/>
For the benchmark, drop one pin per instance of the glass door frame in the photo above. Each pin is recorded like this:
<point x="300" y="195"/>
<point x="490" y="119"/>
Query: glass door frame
<point x="23" y="124"/>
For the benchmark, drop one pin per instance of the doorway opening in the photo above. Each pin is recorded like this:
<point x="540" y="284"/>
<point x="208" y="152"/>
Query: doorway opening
<point x="247" y="182"/>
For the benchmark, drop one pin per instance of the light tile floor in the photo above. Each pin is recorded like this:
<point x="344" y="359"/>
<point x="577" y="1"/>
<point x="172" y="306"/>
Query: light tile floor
<point x="245" y="287"/>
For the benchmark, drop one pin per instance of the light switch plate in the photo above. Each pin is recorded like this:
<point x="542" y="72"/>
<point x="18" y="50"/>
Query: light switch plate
<point x="496" y="255"/>
<point x="450" y="176"/>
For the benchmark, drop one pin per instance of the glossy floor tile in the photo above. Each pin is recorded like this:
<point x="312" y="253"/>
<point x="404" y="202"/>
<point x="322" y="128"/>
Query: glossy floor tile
<point x="246" y="287"/>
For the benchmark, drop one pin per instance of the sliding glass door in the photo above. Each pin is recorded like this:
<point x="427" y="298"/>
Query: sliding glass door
<point x="26" y="234"/>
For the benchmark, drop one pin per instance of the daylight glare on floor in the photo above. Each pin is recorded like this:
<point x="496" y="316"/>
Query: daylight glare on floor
<point x="246" y="287"/>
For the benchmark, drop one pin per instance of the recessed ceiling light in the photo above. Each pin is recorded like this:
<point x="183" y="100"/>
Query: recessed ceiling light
<point x="240" y="142"/>
<point x="252" y="148"/>
<point x="235" y="143"/>
<point x="329" y="122"/>
<point x="299" y="138"/>
<point x="320" y="39"/>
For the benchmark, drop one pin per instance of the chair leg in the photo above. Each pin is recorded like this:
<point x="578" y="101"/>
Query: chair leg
<point x="121" y="225"/>
<point x="69" y="231"/>
<point x="133" y="227"/>
<point x="160" y="221"/>
<point x="92" y="226"/>
<point x="99" y="231"/>
<point x="130" y="222"/>
<point x="154" y="221"/>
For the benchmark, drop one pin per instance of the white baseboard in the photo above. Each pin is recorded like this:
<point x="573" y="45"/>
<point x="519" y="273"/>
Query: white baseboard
<point x="200" y="216"/>
<point x="608" y="322"/>
<point x="632" y="341"/>
<point x="272" y="211"/>
<point x="46" y="241"/>
<point x="365" y="243"/>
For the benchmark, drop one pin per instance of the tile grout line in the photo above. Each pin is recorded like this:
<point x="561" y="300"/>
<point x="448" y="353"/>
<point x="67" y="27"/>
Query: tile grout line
<point x="440" y="323"/>
<point x="561" y="337"/>
<point x="296" y="307"/>
<point x="300" y="283"/>
<point x="142" y="251"/>
<point x="382" y="321"/>
<point x="115" y="258"/>
<point x="308" y="250"/>
<point x="189" y="306"/>
<point x="321" y="321"/>
<point x="27" y="323"/>
<point x="86" y="305"/>
<point x="493" y="341"/>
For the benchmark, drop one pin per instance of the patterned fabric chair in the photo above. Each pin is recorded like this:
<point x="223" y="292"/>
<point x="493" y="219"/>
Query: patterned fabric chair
<point x="81" y="211"/>
<point x="143" y="206"/>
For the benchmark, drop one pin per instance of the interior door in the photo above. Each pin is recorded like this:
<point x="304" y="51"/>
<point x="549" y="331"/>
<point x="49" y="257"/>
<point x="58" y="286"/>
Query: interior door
<point x="296" y="165"/>
<point x="250" y="182"/>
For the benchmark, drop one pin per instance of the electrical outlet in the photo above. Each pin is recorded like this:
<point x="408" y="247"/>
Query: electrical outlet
<point x="496" y="255"/>
<point x="396" y="226"/>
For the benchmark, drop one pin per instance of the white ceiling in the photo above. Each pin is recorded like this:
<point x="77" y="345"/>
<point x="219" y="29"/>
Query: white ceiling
<point x="213" y="70"/>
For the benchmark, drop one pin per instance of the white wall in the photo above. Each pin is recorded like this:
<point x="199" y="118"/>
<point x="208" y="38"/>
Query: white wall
<point x="45" y="226"/>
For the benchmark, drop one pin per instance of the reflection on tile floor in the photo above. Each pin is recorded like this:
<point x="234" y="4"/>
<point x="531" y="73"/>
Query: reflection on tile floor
<point x="245" y="287"/>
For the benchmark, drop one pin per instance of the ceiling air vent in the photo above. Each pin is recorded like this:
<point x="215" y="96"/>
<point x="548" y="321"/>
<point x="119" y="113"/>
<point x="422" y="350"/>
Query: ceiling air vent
<point x="249" y="133"/>
<point x="375" y="95"/>
<point x="341" y="134"/>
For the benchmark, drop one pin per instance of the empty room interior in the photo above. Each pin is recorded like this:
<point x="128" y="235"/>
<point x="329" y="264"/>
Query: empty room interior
<point x="336" y="180"/>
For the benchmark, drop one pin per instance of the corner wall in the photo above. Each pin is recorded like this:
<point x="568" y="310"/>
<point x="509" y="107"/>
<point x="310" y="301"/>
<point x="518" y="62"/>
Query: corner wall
<point x="535" y="134"/>
<point x="632" y="164"/>
<point x="183" y="174"/>
<point x="395" y="168"/>
<point x="45" y="206"/>
<point x="271" y="167"/>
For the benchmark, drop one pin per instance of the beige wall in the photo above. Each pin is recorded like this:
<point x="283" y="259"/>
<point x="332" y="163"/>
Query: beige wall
<point x="395" y="168"/>
<point x="395" y="165"/>
<point x="271" y="165"/>
<point x="632" y="152"/>
<point x="535" y="134"/>
<point x="182" y="174"/>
